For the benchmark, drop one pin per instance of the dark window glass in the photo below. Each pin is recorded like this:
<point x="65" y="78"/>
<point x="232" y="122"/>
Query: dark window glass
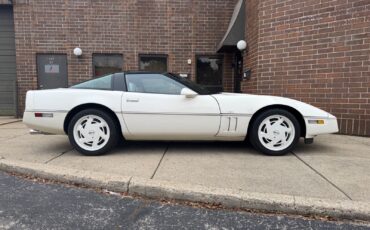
<point x="153" y="83"/>
<point x="98" y="83"/>
<point x="188" y="83"/>
<point x="153" y="63"/>
<point x="104" y="64"/>
<point x="209" y="73"/>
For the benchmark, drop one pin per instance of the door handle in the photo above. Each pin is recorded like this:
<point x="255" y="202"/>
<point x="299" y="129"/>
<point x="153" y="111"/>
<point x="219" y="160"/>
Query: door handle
<point x="132" y="100"/>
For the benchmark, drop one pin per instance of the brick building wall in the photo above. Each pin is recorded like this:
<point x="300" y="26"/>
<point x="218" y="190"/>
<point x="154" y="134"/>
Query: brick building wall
<point x="314" y="51"/>
<point x="180" y="29"/>
<point x="251" y="53"/>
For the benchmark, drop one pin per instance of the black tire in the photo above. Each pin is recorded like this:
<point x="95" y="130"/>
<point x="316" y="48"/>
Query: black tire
<point x="113" y="137"/>
<point x="254" y="132"/>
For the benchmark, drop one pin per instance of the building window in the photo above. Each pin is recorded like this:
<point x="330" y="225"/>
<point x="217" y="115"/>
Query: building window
<point x="104" y="64"/>
<point x="210" y="72"/>
<point x="154" y="63"/>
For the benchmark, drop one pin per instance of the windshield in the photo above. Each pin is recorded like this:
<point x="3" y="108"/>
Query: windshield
<point x="188" y="83"/>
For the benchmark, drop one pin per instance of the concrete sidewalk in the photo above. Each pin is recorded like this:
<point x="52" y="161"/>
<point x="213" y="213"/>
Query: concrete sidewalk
<point x="334" y="169"/>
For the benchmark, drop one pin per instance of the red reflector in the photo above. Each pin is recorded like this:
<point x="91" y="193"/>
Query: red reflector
<point x="43" y="115"/>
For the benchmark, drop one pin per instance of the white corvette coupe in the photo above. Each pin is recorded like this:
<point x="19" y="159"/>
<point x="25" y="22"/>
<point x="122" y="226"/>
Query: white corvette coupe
<point x="150" y="106"/>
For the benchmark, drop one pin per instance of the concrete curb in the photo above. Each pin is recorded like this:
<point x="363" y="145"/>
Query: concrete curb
<point x="342" y="209"/>
<point x="92" y="179"/>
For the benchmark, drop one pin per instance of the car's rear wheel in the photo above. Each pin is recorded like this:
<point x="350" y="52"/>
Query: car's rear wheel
<point x="275" y="132"/>
<point x="92" y="132"/>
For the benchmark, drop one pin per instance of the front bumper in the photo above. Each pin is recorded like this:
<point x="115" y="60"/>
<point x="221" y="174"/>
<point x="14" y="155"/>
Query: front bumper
<point x="330" y="125"/>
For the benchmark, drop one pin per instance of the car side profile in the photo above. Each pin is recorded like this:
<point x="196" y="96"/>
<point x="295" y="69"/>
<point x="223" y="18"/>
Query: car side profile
<point x="97" y="113"/>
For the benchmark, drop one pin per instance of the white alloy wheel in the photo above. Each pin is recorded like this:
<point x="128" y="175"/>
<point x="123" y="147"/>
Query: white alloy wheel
<point x="276" y="132"/>
<point x="91" y="132"/>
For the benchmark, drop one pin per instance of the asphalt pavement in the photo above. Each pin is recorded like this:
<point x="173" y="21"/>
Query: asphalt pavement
<point x="29" y="204"/>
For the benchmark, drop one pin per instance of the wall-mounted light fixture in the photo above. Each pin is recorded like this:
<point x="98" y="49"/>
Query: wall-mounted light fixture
<point x="77" y="51"/>
<point x="241" y="45"/>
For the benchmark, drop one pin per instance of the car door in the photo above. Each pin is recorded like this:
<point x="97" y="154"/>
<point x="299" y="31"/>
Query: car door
<point x="154" y="109"/>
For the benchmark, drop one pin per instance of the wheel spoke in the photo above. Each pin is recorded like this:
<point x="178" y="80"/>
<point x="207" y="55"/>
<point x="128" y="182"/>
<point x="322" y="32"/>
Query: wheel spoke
<point x="102" y="134"/>
<point x="95" y="142"/>
<point x="268" y="126"/>
<point x="85" y="139"/>
<point x="286" y="129"/>
<point x="273" y="142"/>
<point x="278" y="122"/>
<point x="89" y="122"/>
<point x="283" y="140"/>
<point x="265" y="135"/>
<point x="100" y="130"/>
<point x="82" y="130"/>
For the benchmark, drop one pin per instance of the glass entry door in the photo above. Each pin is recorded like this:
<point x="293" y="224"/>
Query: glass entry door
<point x="210" y="72"/>
<point x="238" y="72"/>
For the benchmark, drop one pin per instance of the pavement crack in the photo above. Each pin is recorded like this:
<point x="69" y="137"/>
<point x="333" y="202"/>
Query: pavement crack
<point x="61" y="154"/>
<point x="13" y="137"/>
<point x="160" y="161"/>
<point x="10" y="122"/>
<point x="128" y="185"/>
<point x="322" y="176"/>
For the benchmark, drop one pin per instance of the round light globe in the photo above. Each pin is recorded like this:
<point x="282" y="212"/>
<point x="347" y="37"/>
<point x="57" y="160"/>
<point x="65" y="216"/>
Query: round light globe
<point x="77" y="51"/>
<point x="242" y="45"/>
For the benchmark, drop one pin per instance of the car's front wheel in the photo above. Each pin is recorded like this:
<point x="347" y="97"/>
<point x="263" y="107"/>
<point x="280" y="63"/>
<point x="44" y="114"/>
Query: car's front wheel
<point x="275" y="132"/>
<point x="92" y="132"/>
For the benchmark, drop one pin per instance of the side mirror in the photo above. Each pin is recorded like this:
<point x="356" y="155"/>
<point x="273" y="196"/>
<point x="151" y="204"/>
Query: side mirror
<point x="188" y="93"/>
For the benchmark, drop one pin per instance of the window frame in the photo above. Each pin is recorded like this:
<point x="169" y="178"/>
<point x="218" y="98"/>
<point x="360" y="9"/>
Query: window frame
<point x="119" y="82"/>
<point x="153" y="55"/>
<point x="105" y="54"/>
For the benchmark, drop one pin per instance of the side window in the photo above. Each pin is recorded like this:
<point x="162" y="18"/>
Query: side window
<point x="152" y="83"/>
<point x="104" y="83"/>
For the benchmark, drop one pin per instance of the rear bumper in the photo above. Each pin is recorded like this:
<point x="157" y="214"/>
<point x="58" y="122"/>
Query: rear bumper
<point x="45" y="125"/>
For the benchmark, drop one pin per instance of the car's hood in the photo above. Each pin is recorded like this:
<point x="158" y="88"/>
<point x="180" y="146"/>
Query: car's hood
<point x="250" y="103"/>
